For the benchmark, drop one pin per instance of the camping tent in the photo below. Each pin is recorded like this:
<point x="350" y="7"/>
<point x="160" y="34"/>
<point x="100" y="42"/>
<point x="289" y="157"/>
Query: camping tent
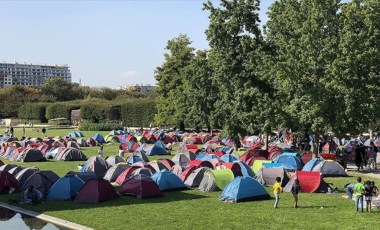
<point x="140" y="186"/>
<point x="42" y="181"/>
<point x="243" y="189"/>
<point x="330" y="168"/>
<point x="66" y="188"/>
<point x="168" y="181"/>
<point x="115" y="171"/>
<point x="195" y="177"/>
<point x="70" y="154"/>
<point x="8" y="182"/>
<point x="267" y="176"/>
<point x="125" y="174"/>
<point x="183" y="159"/>
<point x="24" y="174"/>
<point x="257" y="164"/>
<point x="98" y="138"/>
<point x="95" y="191"/>
<point x="309" y="182"/>
<point x="113" y="160"/>
<point x="220" y="177"/>
<point x="290" y="162"/>
<point x="311" y="164"/>
<point x="97" y="165"/>
<point x="30" y="155"/>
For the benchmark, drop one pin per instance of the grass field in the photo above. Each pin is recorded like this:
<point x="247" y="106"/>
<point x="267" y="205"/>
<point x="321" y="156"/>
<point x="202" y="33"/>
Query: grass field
<point x="193" y="209"/>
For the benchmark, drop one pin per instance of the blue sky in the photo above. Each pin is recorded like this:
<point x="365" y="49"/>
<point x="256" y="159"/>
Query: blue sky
<point x="105" y="43"/>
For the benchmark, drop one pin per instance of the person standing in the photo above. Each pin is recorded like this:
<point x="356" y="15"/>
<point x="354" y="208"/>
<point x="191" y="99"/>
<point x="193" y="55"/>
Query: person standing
<point x="277" y="189"/>
<point x="368" y="192"/>
<point x="23" y="131"/>
<point x="11" y="130"/>
<point x="372" y="154"/>
<point x="121" y="152"/>
<point x="295" y="190"/>
<point x="358" y="157"/>
<point x="100" y="151"/>
<point x="358" y="192"/>
<point x="43" y="131"/>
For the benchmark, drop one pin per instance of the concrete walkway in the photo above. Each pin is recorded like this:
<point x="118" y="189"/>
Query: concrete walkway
<point x="365" y="171"/>
<point x="49" y="219"/>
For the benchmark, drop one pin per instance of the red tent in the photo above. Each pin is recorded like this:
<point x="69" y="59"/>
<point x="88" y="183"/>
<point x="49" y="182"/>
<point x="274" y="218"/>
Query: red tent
<point x="95" y="191"/>
<point x="306" y="157"/>
<point x="309" y="182"/>
<point x="328" y="156"/>
<point x="199" y="163"/>
<point x="8" y="182"/>
<point x="141" y="186"/>
<point x="125" y="174"/>
<point x="167" y="163"/>
<point x="251" y="160"/>
<point x="187" y="172"/>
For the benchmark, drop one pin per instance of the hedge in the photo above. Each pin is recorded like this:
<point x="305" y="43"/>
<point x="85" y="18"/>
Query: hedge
<point x="98" y="112"/>
<point x="61" y="109"/>
<point x="89" y="126"/>
<point x="33" y="111"/>
<point x="138" y="113"/>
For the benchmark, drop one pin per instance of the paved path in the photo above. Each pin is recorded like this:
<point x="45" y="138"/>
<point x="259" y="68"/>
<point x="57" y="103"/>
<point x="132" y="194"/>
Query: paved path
<point x="375" y="174"/>
<point x="49" y="219"/>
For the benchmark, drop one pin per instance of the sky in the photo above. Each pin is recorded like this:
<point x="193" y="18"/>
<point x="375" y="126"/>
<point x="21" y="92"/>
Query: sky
<point x="105" y="43"/>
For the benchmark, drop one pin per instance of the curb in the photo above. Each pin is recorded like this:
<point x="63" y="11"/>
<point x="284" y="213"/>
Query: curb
<point x="49" y="219"/>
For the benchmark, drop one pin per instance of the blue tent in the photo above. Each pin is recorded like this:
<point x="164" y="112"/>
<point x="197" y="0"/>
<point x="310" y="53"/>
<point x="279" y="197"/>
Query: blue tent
<point x="168" y="181"/>
<point x="210" y="157"/>
<point x="99" y="138"/>
<point x="65" y="188"/>
<point x="243" y="189"/>
<point x="76" y="134"/>
<point x="286" y="153"/>
<point x="52" y="153"/>
<point x="289" y="162"/>
<point x="273" y="165"/>
<point x="245" y="169"/>
<point x="157" y="150"/>
<point x="311" y="164"/>
<point x="229" y="158"/>
<point x="133" y="159"/>
<point x="226" y="149"/>
<point x="200" y="155"/>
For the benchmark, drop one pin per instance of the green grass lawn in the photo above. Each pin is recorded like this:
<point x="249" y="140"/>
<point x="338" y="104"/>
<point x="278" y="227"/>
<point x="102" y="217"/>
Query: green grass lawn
<point x="193" y="209"/>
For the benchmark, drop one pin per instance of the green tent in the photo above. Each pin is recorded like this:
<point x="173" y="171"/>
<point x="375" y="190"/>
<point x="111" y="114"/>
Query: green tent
<point x="111" y="138"/>
<point x="240" y="152"/>
<point x="257" y="164"/>
<point x="222" y="177"/>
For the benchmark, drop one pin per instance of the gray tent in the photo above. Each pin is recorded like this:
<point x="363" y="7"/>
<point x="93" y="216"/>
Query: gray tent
<point x="82" y="142"/>
<point x="73" y="144"/>
<point x="195" y="178"/>
<point x="183" y="159"/>
<point x="97" y="165"/>
<point x="267" y="176"/>
<point x="330" y="168"/>
<point x="142" y="155"/>
<point x="114" y="160"/>
<point x="70" y="154"/>
<point x="157" y="166"/>
<point x="24" y="174"/>
<point x="42" y="181"/>
<point x="15" y="170"/>
<point x="208" y="183"/>
<point x="115" y="171"/>
<point x="143" y="171"/>
<point x="31" y="155"/>
<point x="176" y="169"/>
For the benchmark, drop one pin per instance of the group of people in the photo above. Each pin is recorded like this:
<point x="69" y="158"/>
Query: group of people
<point x="365" y="156"/>
<point x="363" y="191"/>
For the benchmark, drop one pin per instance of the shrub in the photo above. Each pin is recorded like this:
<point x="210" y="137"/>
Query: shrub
<point x="89" y="126"/>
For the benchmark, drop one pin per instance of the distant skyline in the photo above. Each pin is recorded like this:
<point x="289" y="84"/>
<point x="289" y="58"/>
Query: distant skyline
<point x="105" y="43"/>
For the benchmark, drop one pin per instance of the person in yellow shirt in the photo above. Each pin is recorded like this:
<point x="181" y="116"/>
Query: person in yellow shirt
<point x="277" y="189"/>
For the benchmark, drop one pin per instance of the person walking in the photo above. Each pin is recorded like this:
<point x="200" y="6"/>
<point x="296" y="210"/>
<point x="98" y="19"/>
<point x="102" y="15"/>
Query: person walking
<point x="100" y="151"/>
<point x="358" y="192"/>
<point x="277" y="189"/>
<point x="295" y="190"/>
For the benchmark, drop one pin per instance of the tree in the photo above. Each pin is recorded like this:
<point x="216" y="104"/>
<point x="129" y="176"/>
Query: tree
<point x="306" y="36"/>
<point x="357" y="67"/>
<point x="61" y="89"/>
<point x="246" y="97"/>
<point x="200" y="94"/>
<point x="171" y="102"/>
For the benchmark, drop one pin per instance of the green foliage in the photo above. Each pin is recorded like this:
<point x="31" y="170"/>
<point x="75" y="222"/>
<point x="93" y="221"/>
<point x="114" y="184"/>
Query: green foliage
<point x="88" y="126"/>
<point x="138" y="113"/>
<point x="61" y="89"/>
<point x="13" y="97"/>
<point x="61" y="109"/>
<point x="33" y="111"/>
<point x="171" y="103"/>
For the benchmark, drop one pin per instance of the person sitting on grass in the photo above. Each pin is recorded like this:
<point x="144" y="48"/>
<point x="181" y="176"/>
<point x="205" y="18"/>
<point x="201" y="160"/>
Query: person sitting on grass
<point x="32" y="195"/>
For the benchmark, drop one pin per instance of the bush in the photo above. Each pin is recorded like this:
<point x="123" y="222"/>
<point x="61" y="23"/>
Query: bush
<point x="138" y="113"/>
<point x="61" y="109"/>
<point x="33" y="111"/>
<point x="88" y="126"/>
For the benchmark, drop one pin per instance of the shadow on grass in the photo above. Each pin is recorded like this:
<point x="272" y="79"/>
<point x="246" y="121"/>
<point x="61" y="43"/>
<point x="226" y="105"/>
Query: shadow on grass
<point x="52" y="205"/>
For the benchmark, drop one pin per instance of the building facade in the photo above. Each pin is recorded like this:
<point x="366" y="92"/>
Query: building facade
<point x="142" y="88"/>
<point x="31" y="75"/>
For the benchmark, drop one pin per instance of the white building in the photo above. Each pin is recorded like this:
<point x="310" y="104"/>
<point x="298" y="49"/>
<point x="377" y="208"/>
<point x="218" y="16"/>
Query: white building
<point x="143" y="88"/>
<point x="31" y="75"/>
